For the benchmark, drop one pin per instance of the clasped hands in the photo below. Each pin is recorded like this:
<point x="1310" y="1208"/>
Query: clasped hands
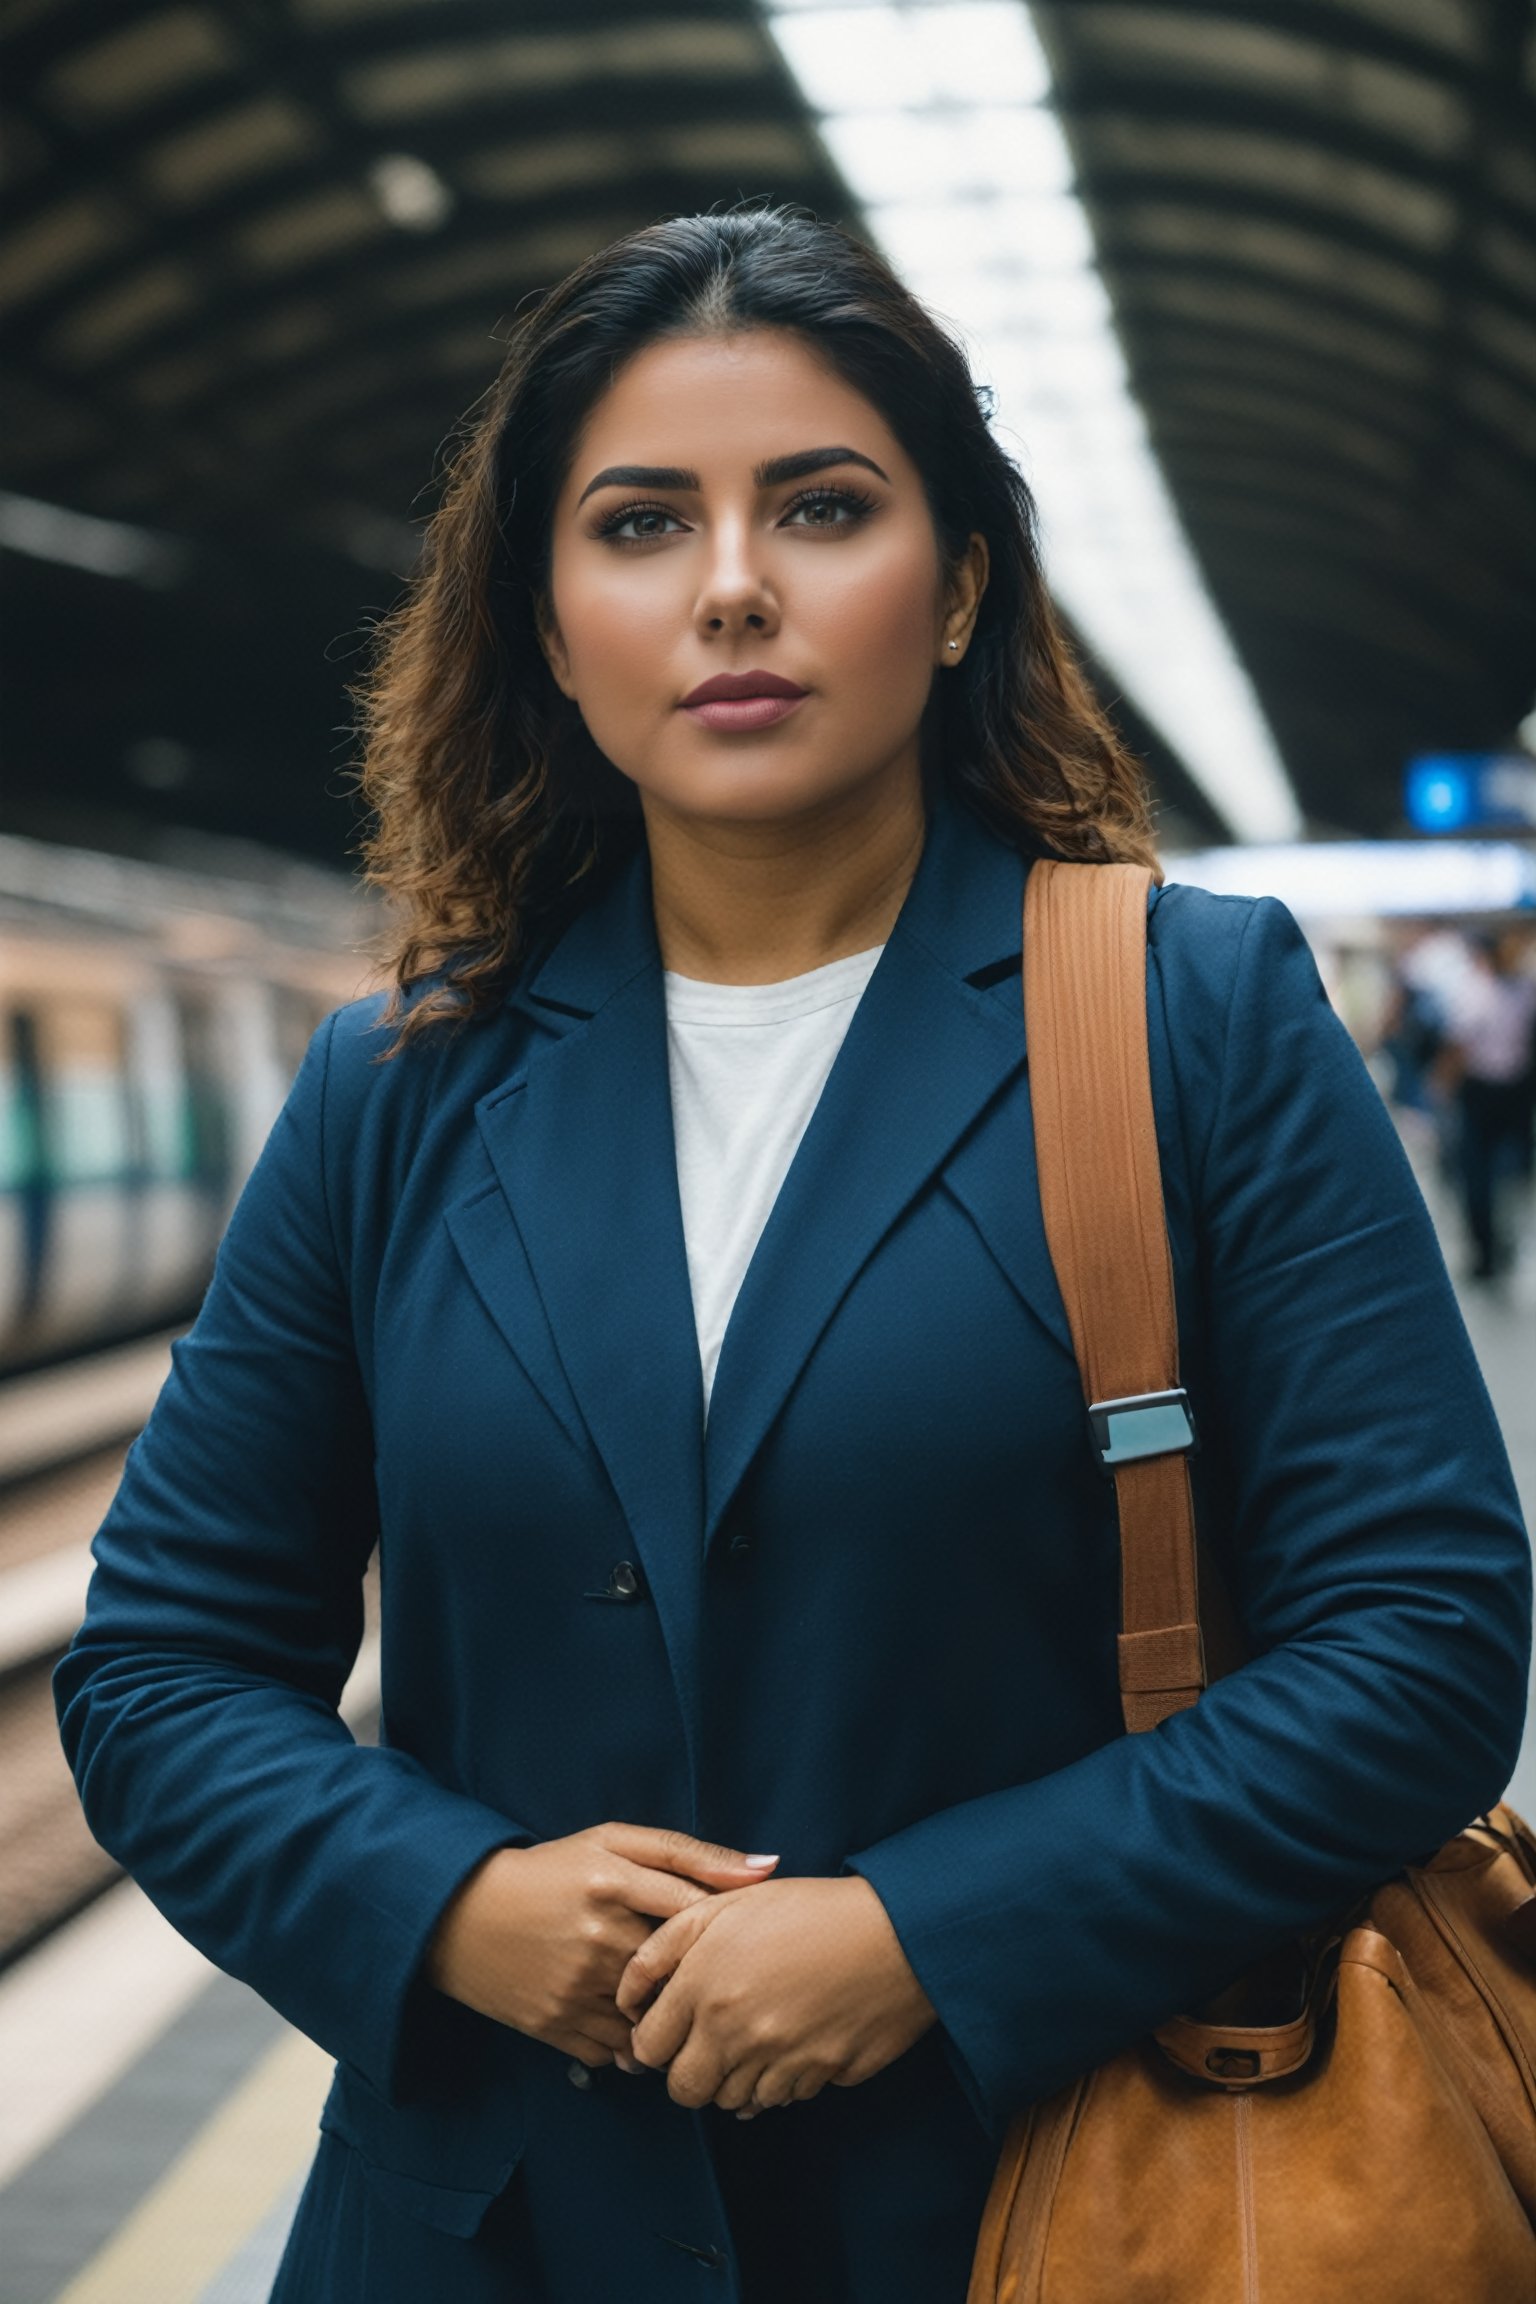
<point x="644" y="1946"/>
<point x="758" y="1996"/>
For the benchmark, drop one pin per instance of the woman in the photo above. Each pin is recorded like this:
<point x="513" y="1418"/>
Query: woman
<point x="708" y="755"/>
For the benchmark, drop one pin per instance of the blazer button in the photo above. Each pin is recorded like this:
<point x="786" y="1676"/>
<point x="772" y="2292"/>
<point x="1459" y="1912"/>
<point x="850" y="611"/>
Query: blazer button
<point x="715" y="2258"/>
<point x="578" y="2074"/>
<point x="625" y="1582"/>
<point x="740" y="1546"/>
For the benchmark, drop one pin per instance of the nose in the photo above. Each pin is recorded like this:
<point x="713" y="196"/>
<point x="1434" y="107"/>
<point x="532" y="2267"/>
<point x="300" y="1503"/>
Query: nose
<point x="735" y="596"/>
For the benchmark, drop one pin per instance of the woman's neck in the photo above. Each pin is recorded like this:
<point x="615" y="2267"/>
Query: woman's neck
<point x="755" y="903"/>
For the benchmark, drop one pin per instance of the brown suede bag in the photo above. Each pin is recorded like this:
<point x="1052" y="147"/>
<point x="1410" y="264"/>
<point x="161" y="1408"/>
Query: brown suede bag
<point x="1370" y="2134"/>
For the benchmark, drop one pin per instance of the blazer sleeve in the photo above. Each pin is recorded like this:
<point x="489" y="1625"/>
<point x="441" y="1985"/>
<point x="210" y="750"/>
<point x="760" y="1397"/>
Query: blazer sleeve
<point x="1383" y="1575"/>
<point x="198" y="1703"/>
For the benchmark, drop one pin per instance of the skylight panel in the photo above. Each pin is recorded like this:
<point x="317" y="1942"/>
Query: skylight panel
<point x="938" y="114"/>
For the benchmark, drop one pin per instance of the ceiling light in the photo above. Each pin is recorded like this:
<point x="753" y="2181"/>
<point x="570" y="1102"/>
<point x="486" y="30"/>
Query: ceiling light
<point x="1018" y="234"/>
<point x="80" y="540"/>
<point x="1357" y="879"/>
<point x="410" y="193"/>
<point x="905" y="155"/>
<point x="867" y="59"/>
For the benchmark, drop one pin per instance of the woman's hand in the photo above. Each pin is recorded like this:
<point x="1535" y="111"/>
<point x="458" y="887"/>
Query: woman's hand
<point x="537" y="1937"/>
<point x="764" y="1995"/>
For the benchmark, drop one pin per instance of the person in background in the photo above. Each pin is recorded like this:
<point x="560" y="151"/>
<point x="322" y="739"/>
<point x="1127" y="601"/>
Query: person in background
<point x="1491" y="1056"/>
<point x="1410" y="1035"/>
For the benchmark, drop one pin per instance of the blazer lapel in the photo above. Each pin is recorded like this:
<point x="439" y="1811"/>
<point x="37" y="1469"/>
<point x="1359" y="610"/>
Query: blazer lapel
<point x="937" y="1035"/>
<point x="496" y="1263"/>
<point x="582" y="1146"/>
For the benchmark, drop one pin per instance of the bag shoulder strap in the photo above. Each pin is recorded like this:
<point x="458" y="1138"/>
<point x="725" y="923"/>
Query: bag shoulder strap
<point x="1101" y="1194"/>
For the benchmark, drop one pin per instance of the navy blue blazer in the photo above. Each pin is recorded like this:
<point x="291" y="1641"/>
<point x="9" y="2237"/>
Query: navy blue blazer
<point x="875" y="1612"/>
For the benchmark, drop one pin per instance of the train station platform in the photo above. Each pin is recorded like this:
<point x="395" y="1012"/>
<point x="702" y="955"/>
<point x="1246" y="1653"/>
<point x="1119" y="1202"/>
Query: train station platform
<point x="158" y="2119"/>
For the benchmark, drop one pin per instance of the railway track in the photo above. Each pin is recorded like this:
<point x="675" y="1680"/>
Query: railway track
<point x="64" y="1435"/>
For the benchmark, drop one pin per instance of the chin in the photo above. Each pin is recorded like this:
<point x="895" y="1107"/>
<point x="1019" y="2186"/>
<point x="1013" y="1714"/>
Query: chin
<point x="755" y="791"/>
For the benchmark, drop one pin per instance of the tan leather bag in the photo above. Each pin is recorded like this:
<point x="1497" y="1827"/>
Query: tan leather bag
<point x="1373" y="2141"/>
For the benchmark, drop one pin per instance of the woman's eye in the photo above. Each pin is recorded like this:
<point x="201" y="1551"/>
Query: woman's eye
<point x="829" y="508"/>
<point x="640" y="523"/>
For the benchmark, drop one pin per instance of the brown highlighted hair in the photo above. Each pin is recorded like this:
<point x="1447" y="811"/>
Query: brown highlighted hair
<point x="493" y="813"/>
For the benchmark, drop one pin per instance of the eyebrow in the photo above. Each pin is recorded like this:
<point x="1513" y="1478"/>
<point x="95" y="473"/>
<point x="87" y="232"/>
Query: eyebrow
<point x="773" y="474"/>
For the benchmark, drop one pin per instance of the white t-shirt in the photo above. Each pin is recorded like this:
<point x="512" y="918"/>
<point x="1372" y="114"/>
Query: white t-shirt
<point x="747" y="1063"/>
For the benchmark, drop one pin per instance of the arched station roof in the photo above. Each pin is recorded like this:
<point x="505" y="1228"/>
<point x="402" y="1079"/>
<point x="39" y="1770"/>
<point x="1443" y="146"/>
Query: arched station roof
<point x="257" y="252"/>
<point x="216" y="312"/>
<point x="1317" y="221"/>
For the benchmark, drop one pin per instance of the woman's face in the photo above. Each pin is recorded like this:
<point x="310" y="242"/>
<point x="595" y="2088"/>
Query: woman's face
<point x="735" y="513"/>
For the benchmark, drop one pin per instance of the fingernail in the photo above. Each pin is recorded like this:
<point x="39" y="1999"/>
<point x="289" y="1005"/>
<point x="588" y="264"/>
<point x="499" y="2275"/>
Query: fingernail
<point x="757" y="1862"/>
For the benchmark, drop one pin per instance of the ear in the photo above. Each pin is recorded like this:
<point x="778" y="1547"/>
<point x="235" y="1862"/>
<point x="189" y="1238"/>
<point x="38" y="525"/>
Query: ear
<point x="962" y="600"/>
<point x="552" y="644"/>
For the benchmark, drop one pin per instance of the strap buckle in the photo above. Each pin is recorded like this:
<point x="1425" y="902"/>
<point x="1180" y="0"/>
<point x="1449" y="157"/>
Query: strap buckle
<point x="1142" y="1424"/>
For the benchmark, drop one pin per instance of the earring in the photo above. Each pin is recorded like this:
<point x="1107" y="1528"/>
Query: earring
<point x="954" y="644"/>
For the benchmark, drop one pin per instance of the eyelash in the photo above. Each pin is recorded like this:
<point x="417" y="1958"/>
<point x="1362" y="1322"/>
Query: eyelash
<point x="855" y="501"/>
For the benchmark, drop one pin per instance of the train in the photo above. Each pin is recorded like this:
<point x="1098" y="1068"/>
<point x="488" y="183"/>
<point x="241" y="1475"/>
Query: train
<point x="151" y="1021"/>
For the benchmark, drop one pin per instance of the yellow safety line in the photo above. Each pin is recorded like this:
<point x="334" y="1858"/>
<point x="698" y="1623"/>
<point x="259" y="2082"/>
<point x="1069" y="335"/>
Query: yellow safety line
<point x="211" y="2199"/>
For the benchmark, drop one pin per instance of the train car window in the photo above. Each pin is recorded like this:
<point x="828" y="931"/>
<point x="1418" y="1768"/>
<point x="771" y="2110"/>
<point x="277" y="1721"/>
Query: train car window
<point x="24" y="1205"/>
<point x="87" y="1132"/>
<point x="167" y="1135"/>
<point x="206" y="1114"/>
<point x="20" y="1146"/>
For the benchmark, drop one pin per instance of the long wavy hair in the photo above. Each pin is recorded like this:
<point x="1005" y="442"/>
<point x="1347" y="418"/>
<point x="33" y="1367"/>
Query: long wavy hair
<point x="493" y="814"/>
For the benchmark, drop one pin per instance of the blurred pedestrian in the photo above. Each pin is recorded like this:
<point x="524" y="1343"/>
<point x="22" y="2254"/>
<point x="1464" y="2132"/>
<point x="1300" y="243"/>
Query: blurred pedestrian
<point x="1432" y="970"/>
<point x="1491" y="1054"/>
<point x="1411" y="1035"/>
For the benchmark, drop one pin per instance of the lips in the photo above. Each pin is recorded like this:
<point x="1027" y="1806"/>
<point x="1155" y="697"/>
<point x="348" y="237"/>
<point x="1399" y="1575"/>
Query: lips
<point x="733" y="687"/>
<point x="742" y="701"/>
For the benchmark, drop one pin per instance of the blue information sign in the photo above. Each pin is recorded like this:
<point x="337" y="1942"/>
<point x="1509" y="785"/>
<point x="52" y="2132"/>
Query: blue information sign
<point x="1454" y="791"/>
